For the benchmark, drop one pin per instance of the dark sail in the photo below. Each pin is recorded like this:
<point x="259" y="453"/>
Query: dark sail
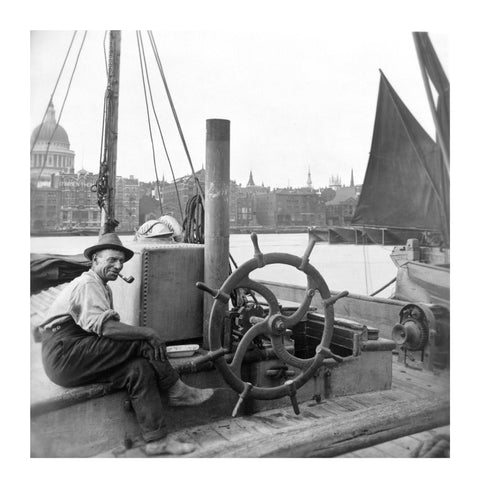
<point x="405" y="185"/>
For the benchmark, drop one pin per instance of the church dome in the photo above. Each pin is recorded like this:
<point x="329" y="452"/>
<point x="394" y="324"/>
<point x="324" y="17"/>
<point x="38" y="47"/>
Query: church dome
<point x="43" y="133"/>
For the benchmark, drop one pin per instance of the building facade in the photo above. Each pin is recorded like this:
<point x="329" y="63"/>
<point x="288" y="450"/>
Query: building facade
<point x="50" y="151"/>
<point x="78" y="204"/>
<point x="245" y="214"/>
<point x="50" y="155"/>
<point x="127" y="203"/>
<point x="290" y="207"/>
<point x="186" y="187"/>
<point x="341" y="208"/>
<point x="44" y="208"/>
<point x="61" y="199"/>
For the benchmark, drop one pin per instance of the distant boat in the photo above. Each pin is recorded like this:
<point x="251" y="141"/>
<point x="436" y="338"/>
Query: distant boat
<point x="406" y="190"/>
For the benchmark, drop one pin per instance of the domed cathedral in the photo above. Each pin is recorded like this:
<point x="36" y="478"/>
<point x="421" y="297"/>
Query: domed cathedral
<point x="50" y="155"/>
<point x="51" y="151"/>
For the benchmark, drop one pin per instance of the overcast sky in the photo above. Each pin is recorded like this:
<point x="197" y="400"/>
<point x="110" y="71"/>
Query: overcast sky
<point x="296" y="99"/>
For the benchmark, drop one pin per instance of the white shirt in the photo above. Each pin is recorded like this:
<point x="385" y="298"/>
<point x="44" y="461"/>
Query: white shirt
<point x="87" y="299"/>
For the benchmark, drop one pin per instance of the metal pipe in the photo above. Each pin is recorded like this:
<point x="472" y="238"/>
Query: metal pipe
<point x="217" y="225"/>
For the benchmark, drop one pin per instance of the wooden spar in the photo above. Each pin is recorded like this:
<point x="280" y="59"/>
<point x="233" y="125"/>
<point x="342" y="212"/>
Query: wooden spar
<point x="428" y="89"/>
<point x="111" y="133"/>
<point x="217" y="225"/>
<point x="349" y="432"/>
<point x="383" y="287"/>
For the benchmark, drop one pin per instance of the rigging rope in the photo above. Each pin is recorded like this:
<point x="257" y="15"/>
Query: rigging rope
<point x="194" y="221"/>
<point x="160" y="131"/>
<point x="53" y="93"/>
<point x="105" y="53"/>
<point x="61" y="110"/>
<point x="172" y="106"/>
<point x="101" y="185"/>
<point x="383" y="287"/>
<point x="149" y="122"/>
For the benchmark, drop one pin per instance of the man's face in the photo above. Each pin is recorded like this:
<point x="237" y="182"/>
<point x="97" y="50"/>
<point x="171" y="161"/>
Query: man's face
<point x="108" y="263"/>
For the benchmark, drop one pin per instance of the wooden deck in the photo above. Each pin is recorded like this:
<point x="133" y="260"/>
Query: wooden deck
<point x="353" y="426"/>
<point x="403" y="447"/>
<point x="413" y="411"/>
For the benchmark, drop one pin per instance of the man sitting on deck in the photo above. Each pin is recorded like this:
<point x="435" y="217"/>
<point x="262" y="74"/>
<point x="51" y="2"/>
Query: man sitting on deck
<point x="83" y="341"/>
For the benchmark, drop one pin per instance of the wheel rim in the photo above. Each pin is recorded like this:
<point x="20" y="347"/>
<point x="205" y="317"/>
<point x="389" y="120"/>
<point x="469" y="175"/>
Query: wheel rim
<point x="268" y="326"/>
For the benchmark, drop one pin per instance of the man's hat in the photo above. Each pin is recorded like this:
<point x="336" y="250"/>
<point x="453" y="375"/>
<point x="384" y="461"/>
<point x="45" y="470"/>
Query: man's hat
<point x="108" y="241"/>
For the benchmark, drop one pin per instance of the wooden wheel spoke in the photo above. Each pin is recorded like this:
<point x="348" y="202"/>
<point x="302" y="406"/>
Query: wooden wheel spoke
<point x="294" y="319"/>
<point x="264" y="291"/>
<point x="274" y="325"/>
<point x="284" y="355"/>
<point x="256" y="330"/>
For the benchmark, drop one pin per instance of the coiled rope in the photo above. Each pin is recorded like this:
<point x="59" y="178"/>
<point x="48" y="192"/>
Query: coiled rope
<point x="194" y="221"/>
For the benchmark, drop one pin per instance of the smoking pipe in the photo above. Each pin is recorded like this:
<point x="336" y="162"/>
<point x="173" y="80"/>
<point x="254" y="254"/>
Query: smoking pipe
<point x="130" y="279"/>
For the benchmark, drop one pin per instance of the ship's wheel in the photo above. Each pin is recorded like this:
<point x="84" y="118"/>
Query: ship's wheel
<point x="274" y="326"/>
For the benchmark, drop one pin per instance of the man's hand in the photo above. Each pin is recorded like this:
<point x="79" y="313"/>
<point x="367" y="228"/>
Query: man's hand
<point x="159" y="349"/>
<point x="123" y="332"/>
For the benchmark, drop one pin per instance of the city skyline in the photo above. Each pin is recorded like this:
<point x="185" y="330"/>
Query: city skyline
<point x="316" y="115"/>
<point x="333" y="180"/>
<point x="45" y="171"/>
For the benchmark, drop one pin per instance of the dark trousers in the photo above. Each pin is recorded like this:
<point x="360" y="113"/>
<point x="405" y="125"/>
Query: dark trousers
<point x="74" y="357"/>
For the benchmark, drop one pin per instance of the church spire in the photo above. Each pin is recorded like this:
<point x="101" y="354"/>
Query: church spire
<point x="50" y="114"/>
<point x="250" y="180"/>
<point x="309" y="179"/>
<point x="351" y="179"/>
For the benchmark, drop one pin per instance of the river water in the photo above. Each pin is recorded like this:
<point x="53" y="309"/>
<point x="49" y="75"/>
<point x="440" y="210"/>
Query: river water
<point x="358" y="269"/>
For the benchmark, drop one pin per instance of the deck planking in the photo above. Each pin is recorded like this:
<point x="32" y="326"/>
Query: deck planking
<point x="218" y="437"/>
<point x="402" y="447"/>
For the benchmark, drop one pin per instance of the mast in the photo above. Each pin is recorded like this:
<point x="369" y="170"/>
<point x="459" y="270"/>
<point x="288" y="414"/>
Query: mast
<point x="111" y="134"/>
<point x="417" y="37"/>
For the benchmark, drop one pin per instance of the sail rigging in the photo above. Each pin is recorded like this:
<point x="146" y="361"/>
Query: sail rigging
<point x="175" y="115"/>
<point x="49" y="109"/>
<point x="35" y="139"/>
<point x="105" y="186"/>
<point x="405" y="184"/>
<point x="145" y="77"/>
